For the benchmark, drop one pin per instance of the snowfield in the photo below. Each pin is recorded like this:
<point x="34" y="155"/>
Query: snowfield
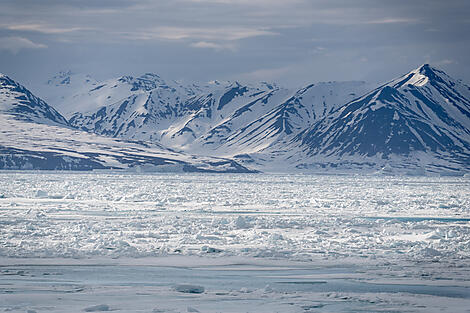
<point x="152" y="242"/>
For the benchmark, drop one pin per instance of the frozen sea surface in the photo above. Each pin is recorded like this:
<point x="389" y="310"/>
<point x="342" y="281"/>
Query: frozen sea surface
<point x="89" y="242"/>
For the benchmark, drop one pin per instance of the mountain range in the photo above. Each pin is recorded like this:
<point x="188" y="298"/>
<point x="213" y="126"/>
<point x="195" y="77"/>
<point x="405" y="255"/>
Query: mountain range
<point x="416" y="123"/>
<point x="33" y="135"/>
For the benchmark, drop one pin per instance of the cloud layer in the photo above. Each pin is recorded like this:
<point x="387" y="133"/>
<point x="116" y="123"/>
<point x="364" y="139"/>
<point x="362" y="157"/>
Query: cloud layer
<point x="291" y="40"/>
<point x="15" y="44"/>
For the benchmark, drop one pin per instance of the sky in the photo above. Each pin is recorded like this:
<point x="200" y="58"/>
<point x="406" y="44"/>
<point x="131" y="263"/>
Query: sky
<point x="291" y="42"/>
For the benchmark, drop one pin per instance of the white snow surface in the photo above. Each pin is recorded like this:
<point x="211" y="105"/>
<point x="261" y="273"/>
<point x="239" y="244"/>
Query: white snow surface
<point x="25" y="140"/>
<point x="289" y="216"/>
<point x="74" y="242"/>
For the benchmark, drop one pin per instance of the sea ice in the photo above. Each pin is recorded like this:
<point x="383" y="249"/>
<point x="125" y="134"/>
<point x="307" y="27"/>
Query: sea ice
<point x="98" y="308"/>
<point x="287" y="243"/>
<point x="189" y="288"/>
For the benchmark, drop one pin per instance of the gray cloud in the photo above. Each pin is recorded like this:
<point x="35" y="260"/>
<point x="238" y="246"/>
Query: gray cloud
<point x="42" y="28"/>
<point x="182" y="33"/>
<point x="15" y="44"/>
<point x="213" y="45"/>
<point x="294" y="41"/>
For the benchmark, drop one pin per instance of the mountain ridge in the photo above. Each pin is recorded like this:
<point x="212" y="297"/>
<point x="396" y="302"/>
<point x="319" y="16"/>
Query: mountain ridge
<point x="418" y="122"/>
<point x="19" y="102"/>
<point x="418" y="112"/>
<point x="35" y="136"/>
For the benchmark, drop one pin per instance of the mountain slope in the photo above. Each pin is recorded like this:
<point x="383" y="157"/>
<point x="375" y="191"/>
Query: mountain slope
<point x="76" y="93"/>
<point x="227" y="119"/>
<point x="35" y="136"/>
<point x="417" y="122"/>
<point x="219" y="114"/>
<point x="62" y="90"/>
<point x="291" y="115"/>
<point x="28" y="145"/>
<point x="134" y="117"/>
<point x="20" y="103"/>
<point x="420" y="119"/>
<point x="173" y="115"/>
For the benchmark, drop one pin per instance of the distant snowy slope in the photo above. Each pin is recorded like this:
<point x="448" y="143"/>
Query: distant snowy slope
<point x="423" y="117"/>
<point x="144" y="107"/>
<point x="20" y="103"/>
<point x="28" y="145"/>
<point x="226" y="119"/>
<point x="61" y="90"/>
<point x="71" y="93"/>
<point x="173" y="114"/>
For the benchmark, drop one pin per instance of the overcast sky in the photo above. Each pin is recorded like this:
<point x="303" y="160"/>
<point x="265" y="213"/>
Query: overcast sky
<point x="293" y="42"/>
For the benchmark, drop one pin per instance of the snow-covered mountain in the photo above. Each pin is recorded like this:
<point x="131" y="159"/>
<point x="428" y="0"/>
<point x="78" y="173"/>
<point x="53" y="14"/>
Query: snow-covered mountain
<point x="18" y="102"/>
<point x="216" y="115"/>
<point x="61" y="90"/>
<point x="416" y="123"/>
<point x="132" y="108"/>
<point x="175" y="115"/>
<point x="227" y="119"/>
<point x="419" y="120"/>
<point x="288" y="114"/>
<point x="35" y="136"/>
<point x="70" y="93"/>
<point x="68" y="82"/>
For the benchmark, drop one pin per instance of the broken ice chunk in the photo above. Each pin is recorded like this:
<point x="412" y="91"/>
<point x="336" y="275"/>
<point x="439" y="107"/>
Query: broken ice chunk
<point x="185" y="288"/>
